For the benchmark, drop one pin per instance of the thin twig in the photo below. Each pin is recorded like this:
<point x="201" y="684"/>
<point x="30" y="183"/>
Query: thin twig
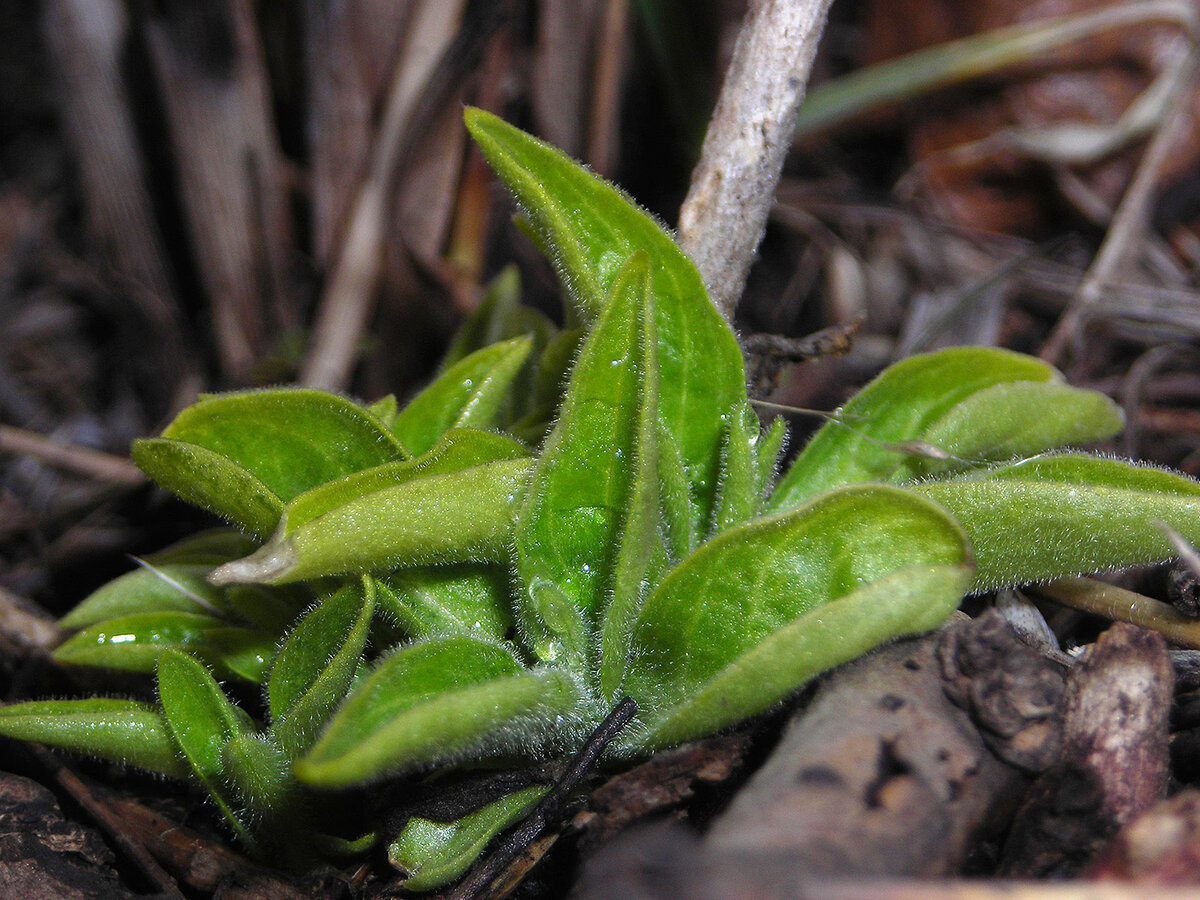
<point x="481" y="877"/>
<point x="82" y="460"/>
<point x="1124" y="237"/>
<point x="725" y="213"/>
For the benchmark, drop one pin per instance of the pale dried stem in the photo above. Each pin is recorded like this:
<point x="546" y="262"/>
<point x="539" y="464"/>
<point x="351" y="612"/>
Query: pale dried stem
<point x="1125" y="236"/>
<point x="81" y="460"/>
<point x="725" y="213"/>
<point x="346" y="304"/>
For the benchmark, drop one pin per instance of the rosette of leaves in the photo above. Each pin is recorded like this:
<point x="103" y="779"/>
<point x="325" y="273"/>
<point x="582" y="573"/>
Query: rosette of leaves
<point x="484" y="573"/>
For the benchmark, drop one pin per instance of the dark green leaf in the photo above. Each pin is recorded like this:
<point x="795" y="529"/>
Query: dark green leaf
<point x="121" y="731"/>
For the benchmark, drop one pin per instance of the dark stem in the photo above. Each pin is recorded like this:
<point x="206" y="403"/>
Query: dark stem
<point x="479" y="880"/>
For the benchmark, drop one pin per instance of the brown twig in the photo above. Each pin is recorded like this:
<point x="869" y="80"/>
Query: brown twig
<point x="82" y="460"/>
<point x="1124" y="236"/>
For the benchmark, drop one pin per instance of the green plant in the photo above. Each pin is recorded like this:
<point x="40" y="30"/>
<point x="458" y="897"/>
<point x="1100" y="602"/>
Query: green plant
<point x="419" y="589"/>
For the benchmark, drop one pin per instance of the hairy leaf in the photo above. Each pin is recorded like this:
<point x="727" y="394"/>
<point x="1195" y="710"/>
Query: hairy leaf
<point x="121" y="731"/>
<point x="463" y="516"/>
<point x="432" y="700"/>
<point x="590" y="229"/>
<point x="316" y="665"/>
<point x="202" y="721"/>
<point x="469" y="393"/>
<point x="766" y="575"/>
<point x="1067" y="514"/>
<point x="465" y="598"/>
<point x="568" y="532"/>
<point x="917" y="400"/>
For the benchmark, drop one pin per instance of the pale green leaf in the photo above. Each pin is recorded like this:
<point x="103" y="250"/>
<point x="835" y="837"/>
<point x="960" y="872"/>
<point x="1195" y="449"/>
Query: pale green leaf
<point x="1067" y="514"/>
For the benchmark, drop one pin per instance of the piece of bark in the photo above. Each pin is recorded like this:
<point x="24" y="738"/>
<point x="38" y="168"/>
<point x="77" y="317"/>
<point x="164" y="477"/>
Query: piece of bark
<point x="1161" y="846"/>
<point x="44" y="855"/>
<point x="733" y="185"/>
<point x="1114" y="762"/>
<point x="661" y="784"/>
<point x="209" y="65"/>
<point x="202" y="865"/>
<point x="882" y="774"/>
<point x="1011" y="692"/>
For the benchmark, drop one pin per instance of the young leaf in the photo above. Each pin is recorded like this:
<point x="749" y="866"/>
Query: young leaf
<point x="460" y="599"/>
<point x="316" y="665"/>
<point x="464" y="516"/>
<point x="435" y="699"/>
<point x="202" y="721"/>
<point x="1067" y="514"/>
<point x="435" y="853"/>
<point x="762" y="577"/>
<point x="738" y="496"/>
<point x="133" y="643"/>
<point x="918" y="398"/>
<point x="469" y="393"/>
<point x="767" y="455"/>
<point x="590" y="229"/>
<point x="498" y="316"/>
<point x="121" y="731"/>
<point x="576" y="502"/>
